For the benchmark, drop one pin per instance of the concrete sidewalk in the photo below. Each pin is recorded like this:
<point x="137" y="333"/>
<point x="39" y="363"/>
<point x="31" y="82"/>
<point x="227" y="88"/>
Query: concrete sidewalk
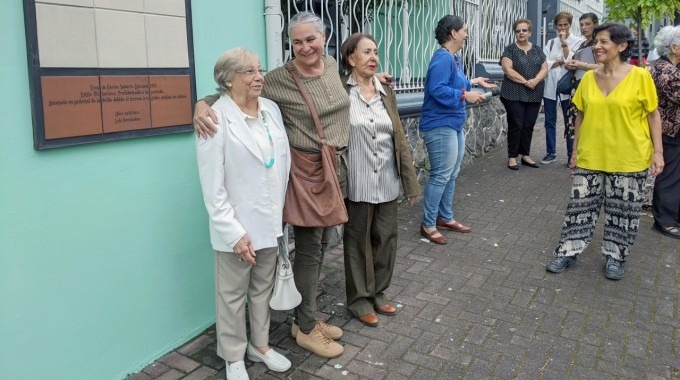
<point x="484" y="306"/>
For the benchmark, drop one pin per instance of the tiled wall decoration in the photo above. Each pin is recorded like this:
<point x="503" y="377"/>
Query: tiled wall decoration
<point x="109" y="69"/>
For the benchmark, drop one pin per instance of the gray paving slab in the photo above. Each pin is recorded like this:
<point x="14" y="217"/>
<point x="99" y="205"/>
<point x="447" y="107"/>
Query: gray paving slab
<point x="483" y="306"/>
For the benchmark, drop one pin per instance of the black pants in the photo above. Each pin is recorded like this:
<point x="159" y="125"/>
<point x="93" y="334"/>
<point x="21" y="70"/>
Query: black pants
<point x="666" y="201"/>
<point x="521" y="119"/>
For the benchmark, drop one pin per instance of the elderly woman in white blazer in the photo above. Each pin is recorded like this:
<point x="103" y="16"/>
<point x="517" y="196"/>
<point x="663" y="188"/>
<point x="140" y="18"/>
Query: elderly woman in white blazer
<point x="244" y="172"/>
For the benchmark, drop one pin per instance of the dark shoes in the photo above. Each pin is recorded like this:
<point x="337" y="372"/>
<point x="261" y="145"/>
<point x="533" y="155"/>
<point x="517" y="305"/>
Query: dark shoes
<point x="549" y="159"/>
<point x="441" y="240"/>
<point x="672" y="231"/>
<point x="560" y="263"/>
<point x="613" y="269"/>
<point x="530" y="164"/>
<point x="454" y="226"/>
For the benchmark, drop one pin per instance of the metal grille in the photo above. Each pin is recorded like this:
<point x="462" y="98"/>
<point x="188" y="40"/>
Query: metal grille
<point x="404" y="30"/>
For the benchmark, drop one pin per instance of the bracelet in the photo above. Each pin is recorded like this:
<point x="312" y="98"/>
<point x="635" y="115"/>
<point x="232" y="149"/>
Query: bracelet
<point x="462" y="97"/>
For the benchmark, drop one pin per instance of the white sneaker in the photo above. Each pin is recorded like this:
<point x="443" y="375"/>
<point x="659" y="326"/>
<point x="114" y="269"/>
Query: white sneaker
<point x="237" y="371"/>
<point x="272" y="359"/>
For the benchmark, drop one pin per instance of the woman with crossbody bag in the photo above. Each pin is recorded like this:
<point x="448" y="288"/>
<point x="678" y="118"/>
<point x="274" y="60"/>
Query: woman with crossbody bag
<point x="582" y="61"/>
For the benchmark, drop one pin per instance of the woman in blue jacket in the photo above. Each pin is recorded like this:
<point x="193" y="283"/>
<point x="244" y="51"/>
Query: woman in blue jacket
<point x="447" y="91"/>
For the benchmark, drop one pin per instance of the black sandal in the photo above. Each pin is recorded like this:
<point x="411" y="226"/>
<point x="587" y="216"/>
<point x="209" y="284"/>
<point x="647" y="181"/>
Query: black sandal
<point x="672" y="231"/>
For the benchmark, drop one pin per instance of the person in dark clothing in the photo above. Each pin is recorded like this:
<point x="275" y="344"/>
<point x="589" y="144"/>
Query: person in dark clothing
<point x="666" y="74"/>
<point x="525" y="68"/>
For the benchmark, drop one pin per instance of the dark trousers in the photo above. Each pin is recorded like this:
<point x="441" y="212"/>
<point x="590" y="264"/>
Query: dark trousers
<point x="666" y="201"/>
<point x="310" y="246"/>
<point x="370" y="245"/>
<point x="521" y="119"/>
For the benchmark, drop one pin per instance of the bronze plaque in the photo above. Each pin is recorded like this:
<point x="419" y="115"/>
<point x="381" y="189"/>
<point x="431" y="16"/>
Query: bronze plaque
<point x="170" y="100"/>
<point x="125" y="103"/>
<point x="71" y="106"/>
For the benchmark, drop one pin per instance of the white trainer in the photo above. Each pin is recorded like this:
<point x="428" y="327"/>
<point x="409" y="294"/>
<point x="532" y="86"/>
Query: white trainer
<point x="272" y="359"/>
<point x="237" y="371"/>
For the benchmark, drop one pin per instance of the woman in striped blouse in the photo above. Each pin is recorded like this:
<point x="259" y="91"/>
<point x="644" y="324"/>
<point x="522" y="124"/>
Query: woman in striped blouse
<point x="378" y="158"/>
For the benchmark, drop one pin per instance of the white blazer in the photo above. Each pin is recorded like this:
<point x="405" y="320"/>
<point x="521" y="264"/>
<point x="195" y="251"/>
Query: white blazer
<point x="238" y="192"/>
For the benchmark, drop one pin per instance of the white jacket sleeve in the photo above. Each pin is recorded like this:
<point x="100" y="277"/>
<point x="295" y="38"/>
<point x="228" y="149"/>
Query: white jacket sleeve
<point x="547" y="49"/>
<point x="210" y="154"/>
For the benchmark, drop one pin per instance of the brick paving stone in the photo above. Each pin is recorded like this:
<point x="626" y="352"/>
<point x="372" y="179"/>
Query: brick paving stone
<point x="452" y="356"/>
<point x="179" y="361"/>
<point x="259" y="370"/>
<point x="202" y="373"/>
<point x="479" y="368"/>
<point x="505" y="367"/>
<point x="195" y="345"/>
<point x="399" y="367"/>
<point x="478" y="334"/>
<point x="311" y="364"/>
<point x="139" y="376"/>
<point x="172" y="374"/>
<point x="367" y="370"/>
<point x="208" y="356"/>
<point x="424" y="374"/>
<point x="156" y="369"/>
<point x="330" y="372"/>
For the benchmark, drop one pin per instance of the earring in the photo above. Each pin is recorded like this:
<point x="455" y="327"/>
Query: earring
<point x="228" y="84"/>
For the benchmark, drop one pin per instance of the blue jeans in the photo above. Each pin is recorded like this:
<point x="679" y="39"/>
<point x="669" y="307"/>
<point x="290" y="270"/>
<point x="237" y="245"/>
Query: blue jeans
<point x="550" y="110"/>
<point x="445" y="149"/>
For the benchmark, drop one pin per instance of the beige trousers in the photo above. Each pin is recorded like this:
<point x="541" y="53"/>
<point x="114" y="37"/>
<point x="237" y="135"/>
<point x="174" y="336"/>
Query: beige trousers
<point x="235" y="282"/>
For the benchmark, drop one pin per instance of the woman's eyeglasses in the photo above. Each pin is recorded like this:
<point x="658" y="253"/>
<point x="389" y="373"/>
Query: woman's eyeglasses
<point x="251" y="72"/>
<point x="521" y="30"/>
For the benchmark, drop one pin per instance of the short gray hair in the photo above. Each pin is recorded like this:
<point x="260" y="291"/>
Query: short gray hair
<point x="304" y="18"/>
<point x="227" y="64"/>
<point x="665" y="37"/>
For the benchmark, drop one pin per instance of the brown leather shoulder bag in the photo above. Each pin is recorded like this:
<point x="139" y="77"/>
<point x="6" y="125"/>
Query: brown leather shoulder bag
<point x="313" y="196"/>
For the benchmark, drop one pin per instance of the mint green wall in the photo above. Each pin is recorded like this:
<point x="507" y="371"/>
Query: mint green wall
<point x="105" y="261"/>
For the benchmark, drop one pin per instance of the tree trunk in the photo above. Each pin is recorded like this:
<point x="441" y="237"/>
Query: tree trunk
<point x="639" y="37"/>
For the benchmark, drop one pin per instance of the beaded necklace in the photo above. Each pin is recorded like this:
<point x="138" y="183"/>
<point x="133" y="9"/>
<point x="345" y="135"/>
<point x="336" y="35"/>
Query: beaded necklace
<point x="271" y="143"/>
<point x="455" y="57"/>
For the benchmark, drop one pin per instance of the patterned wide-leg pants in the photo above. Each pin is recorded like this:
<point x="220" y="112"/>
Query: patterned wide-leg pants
<point x="621" y="194"/>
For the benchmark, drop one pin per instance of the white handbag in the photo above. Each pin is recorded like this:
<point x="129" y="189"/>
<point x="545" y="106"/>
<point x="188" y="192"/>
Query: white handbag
<point x="285" y="295"/>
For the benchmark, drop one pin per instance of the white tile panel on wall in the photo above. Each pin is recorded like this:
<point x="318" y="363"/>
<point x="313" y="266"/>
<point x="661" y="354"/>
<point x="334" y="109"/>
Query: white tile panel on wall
<point x="166" y="41"/>
<point x="77" y="3"/>
<point x="122" y="5"/>
<point x="165" y="7"/>
<point x="121" y="39"/>
<point x="66" y="36"/>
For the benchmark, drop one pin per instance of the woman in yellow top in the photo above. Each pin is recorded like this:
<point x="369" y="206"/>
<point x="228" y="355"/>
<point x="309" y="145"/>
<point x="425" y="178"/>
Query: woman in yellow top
<point x="617" y="140"/>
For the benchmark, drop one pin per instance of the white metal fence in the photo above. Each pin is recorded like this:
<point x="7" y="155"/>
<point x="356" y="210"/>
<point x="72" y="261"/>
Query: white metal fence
<point x="404" y="30"/>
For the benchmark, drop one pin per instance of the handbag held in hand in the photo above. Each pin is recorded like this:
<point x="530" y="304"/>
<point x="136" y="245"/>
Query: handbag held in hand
<point x="313" y="196"/>
<point x="565" y="83"/>
<point x="285" y="295"/>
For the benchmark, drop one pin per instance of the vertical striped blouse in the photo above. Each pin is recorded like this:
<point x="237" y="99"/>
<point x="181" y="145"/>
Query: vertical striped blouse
<point x="372" y="166"/>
